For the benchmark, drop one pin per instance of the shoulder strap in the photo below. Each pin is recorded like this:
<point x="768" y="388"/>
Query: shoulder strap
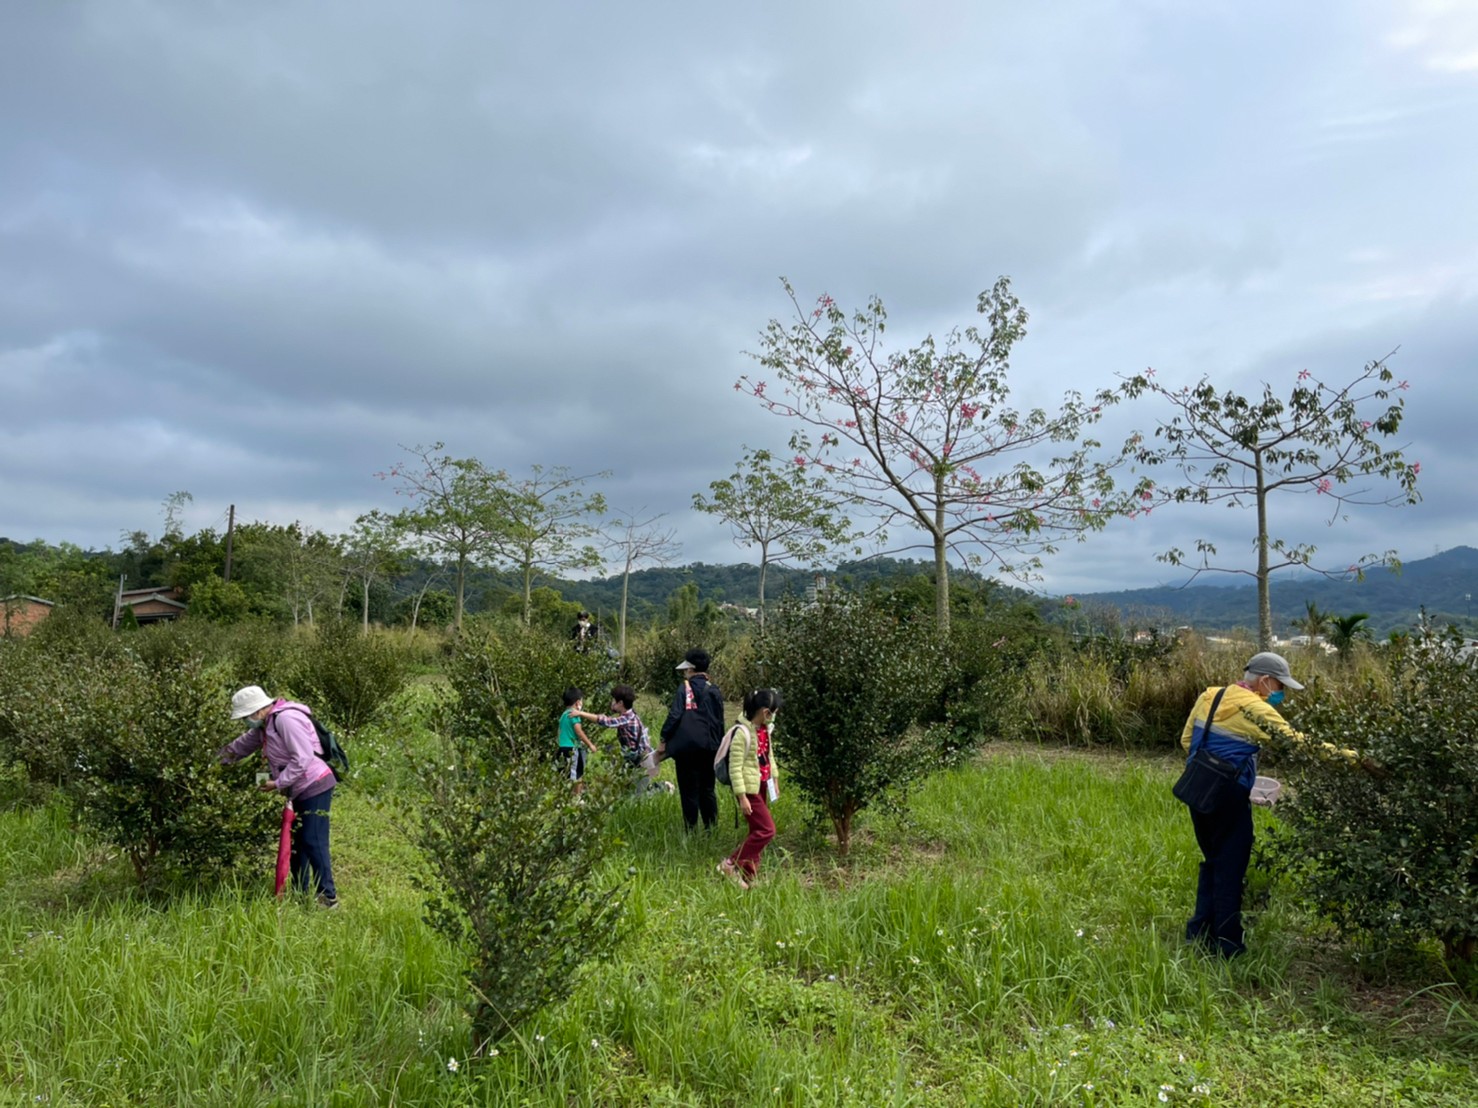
<point x="1210" y="715"/>
<point x="312" y="722"/>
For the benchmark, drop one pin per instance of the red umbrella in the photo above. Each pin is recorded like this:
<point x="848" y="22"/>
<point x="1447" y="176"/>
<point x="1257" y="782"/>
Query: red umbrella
<point x="284" y="848"/>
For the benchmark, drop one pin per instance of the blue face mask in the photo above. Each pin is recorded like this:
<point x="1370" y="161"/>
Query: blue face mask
<point x="1276" y="698"/>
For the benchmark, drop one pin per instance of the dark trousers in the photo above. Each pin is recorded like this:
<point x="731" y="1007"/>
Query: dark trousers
<point x="695" y="787"/>
<point x="761" y="831"/>
<point x="1225" y="839"/>
<point x="310" y="844"/>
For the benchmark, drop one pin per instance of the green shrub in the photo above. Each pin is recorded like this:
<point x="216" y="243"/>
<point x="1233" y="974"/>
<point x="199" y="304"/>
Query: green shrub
<point x="514" y="681"/>
<point x="1392" y="856"/>
<point x="349" y="677"/>
<point x="52" y="702"/>
<point x="517" y="864"/>
<point x="983" y="691"/>
<point x="856" y="679"/>
<point x="651" y="656"/>
<point x="147" y="779"/>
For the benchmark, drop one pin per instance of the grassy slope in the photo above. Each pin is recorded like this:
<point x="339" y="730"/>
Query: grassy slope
<point x="1015" y="943"/>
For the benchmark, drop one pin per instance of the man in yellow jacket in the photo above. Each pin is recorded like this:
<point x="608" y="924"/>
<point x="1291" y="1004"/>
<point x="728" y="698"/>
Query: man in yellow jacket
<point x="1246" y="718"/>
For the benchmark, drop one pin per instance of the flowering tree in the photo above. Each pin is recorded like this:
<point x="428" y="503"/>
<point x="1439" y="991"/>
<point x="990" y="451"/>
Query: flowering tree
<point x="928" y="437"/>
<point x="778" y="507"/>
<point x="1322" y="441"/>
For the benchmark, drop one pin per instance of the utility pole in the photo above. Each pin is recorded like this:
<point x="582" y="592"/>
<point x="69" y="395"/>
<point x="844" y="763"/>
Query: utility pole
<point x="117" y="602"/>
<point x="230" y="533"/>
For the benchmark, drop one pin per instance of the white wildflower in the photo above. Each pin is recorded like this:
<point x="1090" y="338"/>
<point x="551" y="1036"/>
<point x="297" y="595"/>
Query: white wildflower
<point x="451" y="1064"/>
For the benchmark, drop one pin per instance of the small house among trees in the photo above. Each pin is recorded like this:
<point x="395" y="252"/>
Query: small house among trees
<point x="19" y="614"/>
<point x="153" y="605"/>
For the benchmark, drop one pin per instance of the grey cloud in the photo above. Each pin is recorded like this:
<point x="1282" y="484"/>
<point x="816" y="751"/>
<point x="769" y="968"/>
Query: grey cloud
<point x="264" y="245"/>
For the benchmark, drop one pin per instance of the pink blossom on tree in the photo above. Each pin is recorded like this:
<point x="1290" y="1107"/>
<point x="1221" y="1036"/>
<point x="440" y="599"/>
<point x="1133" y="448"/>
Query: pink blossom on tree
<point x="933" y="439"/>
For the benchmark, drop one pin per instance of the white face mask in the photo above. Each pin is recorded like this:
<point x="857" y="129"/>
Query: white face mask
<point x="256" y="724"/>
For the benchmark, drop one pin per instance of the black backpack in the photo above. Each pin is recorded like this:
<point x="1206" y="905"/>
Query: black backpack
<point x="332" y="751"/>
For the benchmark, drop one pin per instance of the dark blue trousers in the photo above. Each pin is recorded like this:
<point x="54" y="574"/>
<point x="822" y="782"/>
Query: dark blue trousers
<point x="1225" y="839"/>
<point x="310" y="844"/>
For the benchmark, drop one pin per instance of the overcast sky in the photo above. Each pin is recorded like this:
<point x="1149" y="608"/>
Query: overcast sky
<point x="250" y="249"/>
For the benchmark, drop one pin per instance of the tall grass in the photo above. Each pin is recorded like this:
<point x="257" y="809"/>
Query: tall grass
<point x="1014" y="942"/>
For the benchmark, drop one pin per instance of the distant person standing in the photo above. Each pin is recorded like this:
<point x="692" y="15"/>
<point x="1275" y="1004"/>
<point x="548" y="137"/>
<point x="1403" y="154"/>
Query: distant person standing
<point x="690" y="737"/>
<point x="584" y="633"/>
<point x="283" y="731"/>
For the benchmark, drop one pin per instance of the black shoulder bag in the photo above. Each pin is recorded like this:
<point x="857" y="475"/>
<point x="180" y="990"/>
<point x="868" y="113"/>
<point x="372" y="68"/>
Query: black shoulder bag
<point x="1206" y="777"/>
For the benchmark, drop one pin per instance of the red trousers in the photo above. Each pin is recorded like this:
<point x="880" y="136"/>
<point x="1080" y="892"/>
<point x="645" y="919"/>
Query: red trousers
<point x="761" y="830"/>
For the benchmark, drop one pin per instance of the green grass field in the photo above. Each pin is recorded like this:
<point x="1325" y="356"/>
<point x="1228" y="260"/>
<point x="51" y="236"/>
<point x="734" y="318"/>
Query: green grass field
<point x="1014" y="942"/>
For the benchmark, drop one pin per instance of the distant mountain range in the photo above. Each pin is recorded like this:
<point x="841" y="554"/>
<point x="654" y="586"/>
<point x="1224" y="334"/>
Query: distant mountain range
<point x="1445" y="585"/>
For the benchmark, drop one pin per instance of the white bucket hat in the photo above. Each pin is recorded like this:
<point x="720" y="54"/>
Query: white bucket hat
<point x="248" y="700"/>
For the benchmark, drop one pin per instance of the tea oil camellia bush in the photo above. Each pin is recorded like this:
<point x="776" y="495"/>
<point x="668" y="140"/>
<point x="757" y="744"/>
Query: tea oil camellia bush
<point x="150" y="784"/>
<point x="856" y="679"/>
<point x="49" y="707"/>
<point x="517" y="869"/>
<point x="514" y="681"/>
<point x="350" y="677"/>
<point x="1393" y="854"/>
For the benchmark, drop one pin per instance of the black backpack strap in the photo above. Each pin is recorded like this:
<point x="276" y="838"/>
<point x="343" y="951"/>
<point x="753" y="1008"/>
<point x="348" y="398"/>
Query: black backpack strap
<point x="1210" y="715"/>
<point x="322" y="748"/>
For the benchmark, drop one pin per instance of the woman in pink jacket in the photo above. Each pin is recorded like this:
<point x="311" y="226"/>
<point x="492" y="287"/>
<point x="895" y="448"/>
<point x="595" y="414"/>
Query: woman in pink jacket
<point x="283" y="731"/>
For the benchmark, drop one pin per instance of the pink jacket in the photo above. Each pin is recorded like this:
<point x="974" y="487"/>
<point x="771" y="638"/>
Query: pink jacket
<point x="290" y="744"/>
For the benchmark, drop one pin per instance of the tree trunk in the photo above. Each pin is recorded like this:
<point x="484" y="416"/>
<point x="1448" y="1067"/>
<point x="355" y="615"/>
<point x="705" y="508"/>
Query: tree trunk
<point x="941" y="557"/>
<point x="461" y="586"/>
<point x="528" y="593"/>
<point x="1264" y="597"/>
<point x="416" y="605"/>
<point x="365" y="624"/>
<point x="621" y="628"/>
<point x="1459" y="949"/>
<point x="843" y="826"/>
<point x="764" y="565"/>
<point x="941" y="582"/>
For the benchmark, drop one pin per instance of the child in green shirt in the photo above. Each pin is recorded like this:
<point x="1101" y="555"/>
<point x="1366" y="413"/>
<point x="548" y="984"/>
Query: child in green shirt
<point x="573" y="744"/>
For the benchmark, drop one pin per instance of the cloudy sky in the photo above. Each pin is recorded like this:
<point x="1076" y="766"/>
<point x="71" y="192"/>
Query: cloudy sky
<point x="252" y="249"/>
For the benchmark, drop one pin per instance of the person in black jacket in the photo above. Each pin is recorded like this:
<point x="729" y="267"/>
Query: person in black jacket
<point x="690" y="737"/>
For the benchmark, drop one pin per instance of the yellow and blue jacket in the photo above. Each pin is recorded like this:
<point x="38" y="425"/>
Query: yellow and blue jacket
<point x="1244" y="722"/>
